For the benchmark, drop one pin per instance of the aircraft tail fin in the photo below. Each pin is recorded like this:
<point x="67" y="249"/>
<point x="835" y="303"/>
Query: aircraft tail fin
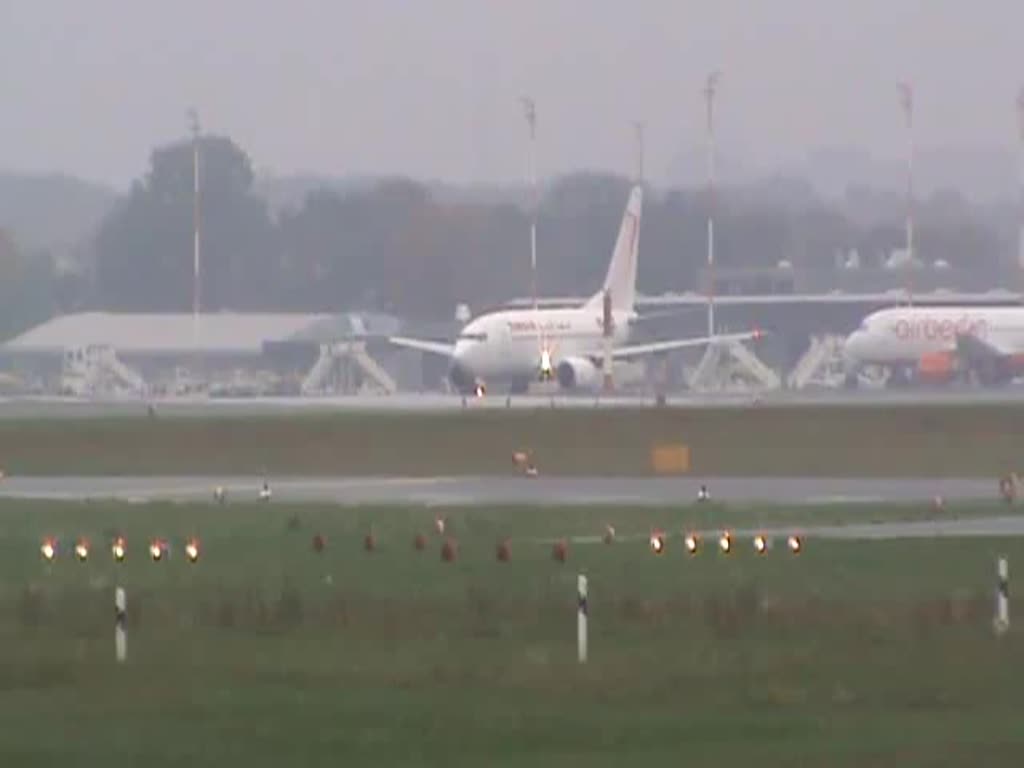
<point x="621" y="278"/>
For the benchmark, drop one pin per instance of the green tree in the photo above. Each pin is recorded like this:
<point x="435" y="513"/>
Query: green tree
<point x="144" y="249"/>
<point x="26" y="288"/>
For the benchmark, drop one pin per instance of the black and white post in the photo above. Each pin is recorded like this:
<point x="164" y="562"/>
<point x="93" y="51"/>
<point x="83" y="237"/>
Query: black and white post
<point x="120" y="618"/>
<point x="581" y="618"/>
<point x="1002" y="618"/>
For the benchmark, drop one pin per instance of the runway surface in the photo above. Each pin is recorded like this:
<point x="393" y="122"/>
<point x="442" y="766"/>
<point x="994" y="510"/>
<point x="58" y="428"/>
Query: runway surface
<point x="509" y="489"/>
<point x="565" y="491"/>
<point x="55" y="407"/>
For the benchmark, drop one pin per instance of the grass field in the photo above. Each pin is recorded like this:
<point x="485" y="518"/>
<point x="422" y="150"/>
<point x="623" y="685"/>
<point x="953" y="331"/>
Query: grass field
<point x="961" y="440"/>
<point x="265" y="653"/>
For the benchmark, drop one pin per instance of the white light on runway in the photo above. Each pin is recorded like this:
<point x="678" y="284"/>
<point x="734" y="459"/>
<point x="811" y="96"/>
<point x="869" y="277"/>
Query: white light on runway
<point x="48" y="550"/>
<point x="657" y="542"/>
<point x="725" y="543"/>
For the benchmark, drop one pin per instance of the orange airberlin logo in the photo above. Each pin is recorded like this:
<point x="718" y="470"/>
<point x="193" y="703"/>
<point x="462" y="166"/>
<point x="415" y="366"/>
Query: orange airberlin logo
<point x="946" y="329"/>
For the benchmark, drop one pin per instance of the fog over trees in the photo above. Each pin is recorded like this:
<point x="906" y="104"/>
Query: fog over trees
<point x="417" y="249"/>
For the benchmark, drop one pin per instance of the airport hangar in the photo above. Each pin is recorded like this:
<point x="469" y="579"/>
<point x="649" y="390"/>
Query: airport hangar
<point x="96" y="353"/>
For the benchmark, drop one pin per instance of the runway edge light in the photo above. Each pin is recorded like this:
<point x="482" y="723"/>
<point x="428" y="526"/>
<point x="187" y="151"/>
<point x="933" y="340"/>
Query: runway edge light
<point x="48" y="549"/>
<point x="725" y="543"/>
<point x="657" y="542"/>
<point x="692" y="542"/>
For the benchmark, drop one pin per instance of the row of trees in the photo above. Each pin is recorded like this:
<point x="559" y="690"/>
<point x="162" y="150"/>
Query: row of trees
<point x="396" y="246"/>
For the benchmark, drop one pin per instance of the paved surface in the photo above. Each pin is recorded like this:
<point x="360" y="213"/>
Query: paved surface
<point x="70" y="408"/>
<point x="483" y="490"/>
<point x="509" y="489"/>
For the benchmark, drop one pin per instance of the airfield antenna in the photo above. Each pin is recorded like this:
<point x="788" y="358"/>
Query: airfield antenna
<point x="907" y="103"/>
<point x="1020" y="180"/>
<point x="193" y="120"/>
<point x="710" y="88"/>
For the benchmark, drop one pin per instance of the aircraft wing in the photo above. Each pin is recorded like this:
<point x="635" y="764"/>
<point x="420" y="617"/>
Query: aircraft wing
<point x="658" y="313"/>
<point x="638" y="350"/>
<point x="424" y="345"/>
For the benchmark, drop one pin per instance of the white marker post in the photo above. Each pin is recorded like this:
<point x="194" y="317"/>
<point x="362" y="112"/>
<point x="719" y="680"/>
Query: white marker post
<point x="120" y="614"/>
<point x="581" y="618"/>
<point x="1002" y="620"/>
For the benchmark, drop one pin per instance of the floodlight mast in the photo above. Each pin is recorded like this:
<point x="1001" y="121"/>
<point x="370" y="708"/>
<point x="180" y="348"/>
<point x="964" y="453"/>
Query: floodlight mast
<point x="193" y="121"/>
<point x="530" y="112"/>
<point x="907" y="104"/>
<point x="710" y="89"/>
<point x="1020" y="179"/>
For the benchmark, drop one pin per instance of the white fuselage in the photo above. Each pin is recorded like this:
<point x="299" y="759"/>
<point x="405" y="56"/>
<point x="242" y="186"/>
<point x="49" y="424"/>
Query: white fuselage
<point x="904" y="335"/>
<point x="507" y="345"/>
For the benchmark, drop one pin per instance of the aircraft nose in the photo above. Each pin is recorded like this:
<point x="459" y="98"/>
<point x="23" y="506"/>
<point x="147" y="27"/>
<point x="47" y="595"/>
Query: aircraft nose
<point x="855" y="346"/>
<point x="461" y="376"/>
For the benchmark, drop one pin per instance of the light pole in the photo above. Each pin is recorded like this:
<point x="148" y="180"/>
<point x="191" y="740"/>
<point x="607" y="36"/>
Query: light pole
<point x="193" y="122"/>
<point x="1020" y="179"/>
<point x="530" y="112"/>
<point x="546" y="364"/>
<point x="710" y="88"/>
<point x="907" y="103"/>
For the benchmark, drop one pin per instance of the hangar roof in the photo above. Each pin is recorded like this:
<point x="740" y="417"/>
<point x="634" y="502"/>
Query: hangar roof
<point x="222" y="332"/>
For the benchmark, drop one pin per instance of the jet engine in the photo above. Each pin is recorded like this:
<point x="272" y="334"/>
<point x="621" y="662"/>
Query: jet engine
<point x="578" y="373"/>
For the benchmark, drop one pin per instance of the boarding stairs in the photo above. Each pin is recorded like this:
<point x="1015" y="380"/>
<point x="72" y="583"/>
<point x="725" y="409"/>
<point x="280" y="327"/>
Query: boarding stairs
<point x="333" y="371"/>
<point x="729" y="365"/>
<point x="821" y="365"/>
<point x="96" y="371"/>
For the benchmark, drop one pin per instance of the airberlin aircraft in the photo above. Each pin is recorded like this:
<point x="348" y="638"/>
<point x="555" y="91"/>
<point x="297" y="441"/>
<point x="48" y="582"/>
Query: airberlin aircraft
<point x="942" y="344"/>
<point x="523" y="345"/>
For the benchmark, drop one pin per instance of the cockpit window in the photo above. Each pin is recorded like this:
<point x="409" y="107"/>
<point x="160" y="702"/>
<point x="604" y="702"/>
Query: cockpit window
<point x="472" y="337"/>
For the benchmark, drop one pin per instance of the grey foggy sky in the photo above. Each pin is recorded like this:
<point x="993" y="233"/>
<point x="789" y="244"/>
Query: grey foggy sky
<point x="429" y="88"/>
